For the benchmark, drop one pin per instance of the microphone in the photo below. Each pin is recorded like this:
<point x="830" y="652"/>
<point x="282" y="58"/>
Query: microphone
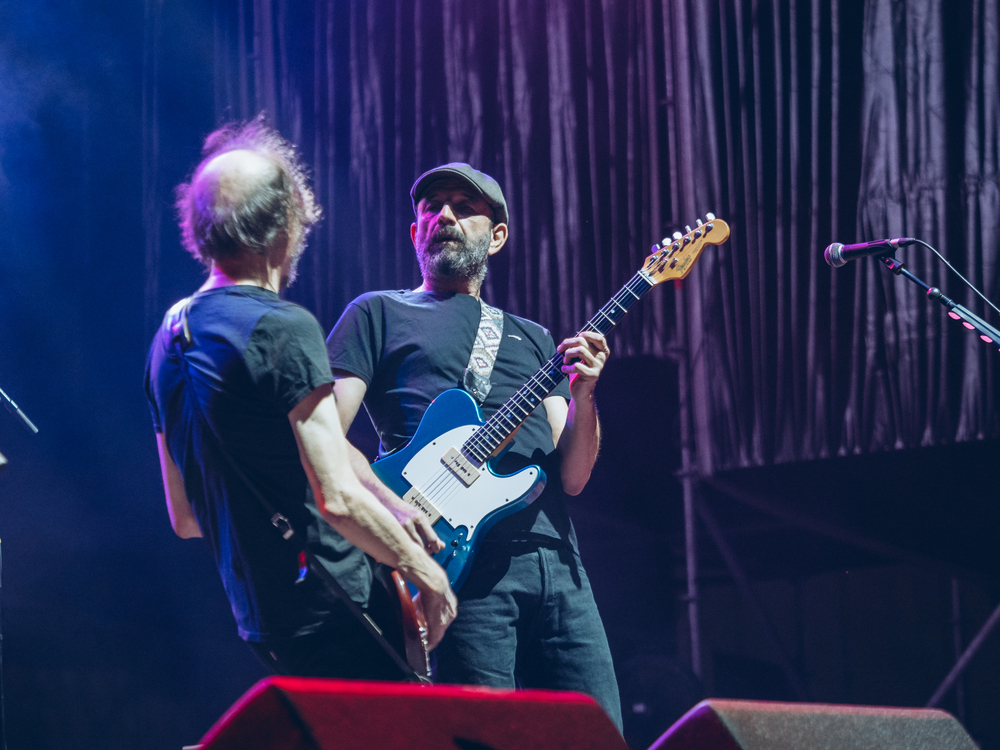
<point x="837" y="255"/>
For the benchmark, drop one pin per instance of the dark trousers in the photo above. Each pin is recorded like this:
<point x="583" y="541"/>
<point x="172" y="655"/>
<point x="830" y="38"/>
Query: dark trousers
<point x="527" y="617"/>
<point x="345" y="651"/>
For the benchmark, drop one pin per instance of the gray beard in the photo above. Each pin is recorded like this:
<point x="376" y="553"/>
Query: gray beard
<point x="461" y="259"/>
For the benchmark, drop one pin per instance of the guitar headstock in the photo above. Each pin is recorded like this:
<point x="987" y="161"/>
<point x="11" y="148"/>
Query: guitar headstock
<point x="674" y="257"/>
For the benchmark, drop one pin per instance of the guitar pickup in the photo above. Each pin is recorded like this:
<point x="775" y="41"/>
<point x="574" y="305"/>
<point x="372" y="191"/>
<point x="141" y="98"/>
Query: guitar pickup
<point x="460" y="466"/>
<point x="417" y="500"/>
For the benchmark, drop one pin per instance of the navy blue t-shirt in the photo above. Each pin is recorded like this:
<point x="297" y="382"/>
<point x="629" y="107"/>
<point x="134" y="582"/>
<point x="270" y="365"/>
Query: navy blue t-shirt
<point x="252" y="359"/>
<point x="409" y="347"/>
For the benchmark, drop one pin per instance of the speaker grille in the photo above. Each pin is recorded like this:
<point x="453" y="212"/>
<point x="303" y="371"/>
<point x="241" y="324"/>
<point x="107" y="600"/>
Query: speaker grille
<point x="759" y="725"/>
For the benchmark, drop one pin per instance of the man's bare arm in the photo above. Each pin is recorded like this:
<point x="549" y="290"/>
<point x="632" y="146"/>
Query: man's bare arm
<point x="576" y="429"/>
<point x="182" y="519"/>
<point x="357" y="514"/>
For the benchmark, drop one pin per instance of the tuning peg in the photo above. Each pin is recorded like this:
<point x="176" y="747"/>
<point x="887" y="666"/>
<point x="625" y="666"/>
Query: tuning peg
<point x="699" y="222"/>
<point x="710" y="216"/>
<point x="687" y="229"/>
<point x="677" y="235"/>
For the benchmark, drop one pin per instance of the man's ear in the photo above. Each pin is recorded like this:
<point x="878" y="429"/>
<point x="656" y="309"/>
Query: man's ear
<point x="498" y="239"/>
<point x="413" y="233"/>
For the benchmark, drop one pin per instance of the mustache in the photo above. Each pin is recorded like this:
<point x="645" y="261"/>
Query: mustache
<point x="447" y="233"/>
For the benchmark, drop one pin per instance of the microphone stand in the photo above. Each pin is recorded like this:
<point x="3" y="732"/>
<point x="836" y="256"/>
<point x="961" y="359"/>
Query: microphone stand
<point x="969" y="319"/>
<point x="23" y="419"/>
<point x="990" y="335"/>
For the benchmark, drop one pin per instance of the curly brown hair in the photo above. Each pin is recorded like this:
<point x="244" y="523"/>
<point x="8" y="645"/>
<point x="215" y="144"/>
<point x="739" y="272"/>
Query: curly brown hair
<point x="271" y="215"/>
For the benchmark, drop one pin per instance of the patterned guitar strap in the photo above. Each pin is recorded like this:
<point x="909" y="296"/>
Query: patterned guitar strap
<point x="476" y="379"/>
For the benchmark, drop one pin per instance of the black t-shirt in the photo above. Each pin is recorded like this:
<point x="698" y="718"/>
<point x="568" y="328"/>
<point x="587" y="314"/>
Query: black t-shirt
<point x="409" y="347"/>
<point x="252" y="359"/>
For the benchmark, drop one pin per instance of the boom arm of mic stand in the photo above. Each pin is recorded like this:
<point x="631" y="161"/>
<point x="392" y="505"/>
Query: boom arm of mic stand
<point x="956" y="310"/>
<point x="966" y="316"/>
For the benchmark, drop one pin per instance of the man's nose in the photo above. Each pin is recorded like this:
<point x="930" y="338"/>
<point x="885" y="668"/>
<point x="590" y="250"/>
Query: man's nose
<point x="446" y="215"/>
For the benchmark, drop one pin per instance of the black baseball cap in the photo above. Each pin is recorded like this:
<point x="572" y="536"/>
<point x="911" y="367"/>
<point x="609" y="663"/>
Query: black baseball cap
<point x="481" y="182"/>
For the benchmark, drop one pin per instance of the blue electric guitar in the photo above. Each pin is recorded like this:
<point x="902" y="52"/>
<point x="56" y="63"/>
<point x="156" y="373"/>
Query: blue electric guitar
<point x="445" y="470"/>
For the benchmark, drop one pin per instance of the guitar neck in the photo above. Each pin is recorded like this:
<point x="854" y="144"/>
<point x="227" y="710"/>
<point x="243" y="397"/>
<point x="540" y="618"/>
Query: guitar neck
<point x="505" y="420"/>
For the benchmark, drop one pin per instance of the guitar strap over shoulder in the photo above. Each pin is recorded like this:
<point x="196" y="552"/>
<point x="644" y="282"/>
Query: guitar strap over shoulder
<point x="476" y="379"/>
<point x="181" y="335"/>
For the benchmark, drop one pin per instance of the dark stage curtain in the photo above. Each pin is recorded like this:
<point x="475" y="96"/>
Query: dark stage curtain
<point x="609" y="124"/>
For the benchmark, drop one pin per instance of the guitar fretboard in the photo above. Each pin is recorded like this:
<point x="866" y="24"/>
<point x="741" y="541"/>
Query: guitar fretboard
<point x="499" y="427"/>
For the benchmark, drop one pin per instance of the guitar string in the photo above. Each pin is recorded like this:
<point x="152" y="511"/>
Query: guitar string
<point x="480" y="440"/>
<point x="489" y="436"/>
<point x="438" y="486"/>
<point x="437" y="482"/>
<point x="446" y="492"/>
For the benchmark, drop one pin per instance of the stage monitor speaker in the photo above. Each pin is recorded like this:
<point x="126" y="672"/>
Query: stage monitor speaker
<point x="286" y="713"/>
<point x="760" y="725"/>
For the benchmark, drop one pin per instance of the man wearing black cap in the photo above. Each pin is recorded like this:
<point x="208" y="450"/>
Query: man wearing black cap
<point x="526" y="613"/>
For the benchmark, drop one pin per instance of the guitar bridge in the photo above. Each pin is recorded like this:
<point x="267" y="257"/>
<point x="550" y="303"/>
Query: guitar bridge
<point x="460" y="466"/>
<point x="414" y="497"/>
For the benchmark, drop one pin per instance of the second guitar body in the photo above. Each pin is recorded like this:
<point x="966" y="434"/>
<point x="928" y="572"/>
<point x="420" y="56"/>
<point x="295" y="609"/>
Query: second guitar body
<point x="461" y="499"/>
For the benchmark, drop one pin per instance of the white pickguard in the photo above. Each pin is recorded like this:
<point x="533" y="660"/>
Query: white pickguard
<point x="460" y="505"/>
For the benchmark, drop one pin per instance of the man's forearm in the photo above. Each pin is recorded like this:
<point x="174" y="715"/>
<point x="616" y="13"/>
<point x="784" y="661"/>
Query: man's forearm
<point x="362" y="517"/>
<point x="579" y="443"/>
<point x="367" y="524"/>
<point x="363" y="471"/>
